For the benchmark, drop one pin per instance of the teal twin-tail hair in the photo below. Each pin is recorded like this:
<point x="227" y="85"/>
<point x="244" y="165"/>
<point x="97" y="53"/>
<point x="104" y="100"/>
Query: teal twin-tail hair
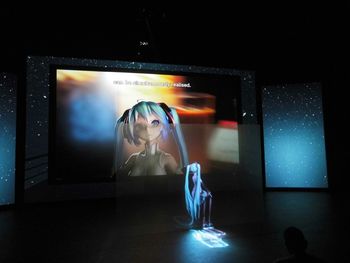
<point x="168" y="117"/>
<point x="193" y="198"/>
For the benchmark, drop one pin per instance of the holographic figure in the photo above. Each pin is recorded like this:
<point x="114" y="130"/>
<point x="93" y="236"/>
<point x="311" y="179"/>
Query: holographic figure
<point x="199" y="201"/>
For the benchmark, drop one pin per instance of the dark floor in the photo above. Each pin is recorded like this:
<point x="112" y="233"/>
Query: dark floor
<point x="148" y="230"/>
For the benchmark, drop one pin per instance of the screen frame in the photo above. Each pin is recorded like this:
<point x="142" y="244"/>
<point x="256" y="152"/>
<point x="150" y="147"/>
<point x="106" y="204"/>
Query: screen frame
<point x="52" y="116"/>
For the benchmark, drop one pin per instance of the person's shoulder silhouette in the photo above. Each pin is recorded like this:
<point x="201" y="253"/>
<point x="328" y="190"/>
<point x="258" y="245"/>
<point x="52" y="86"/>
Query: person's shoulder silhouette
<point x="296" y="245"/>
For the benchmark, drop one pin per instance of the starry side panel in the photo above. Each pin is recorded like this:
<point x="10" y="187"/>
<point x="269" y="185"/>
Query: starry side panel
<point x="294" y="143"/>
<point x="7" y="138"/>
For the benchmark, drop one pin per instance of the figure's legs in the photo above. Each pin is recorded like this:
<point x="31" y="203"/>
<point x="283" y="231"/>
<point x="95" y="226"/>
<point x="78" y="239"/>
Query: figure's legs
<point x="209" y="208"/>
<point x="204" y="223"/>
<point x="207" y="225"/>
<point x="206" y="211"/>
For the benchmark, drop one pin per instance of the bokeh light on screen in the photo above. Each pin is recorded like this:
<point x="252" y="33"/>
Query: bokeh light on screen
<point x="92" y="117"/>
<point x="294" y="136"/>
<point x="223" y="145"/>
<point x="7" y="138"/>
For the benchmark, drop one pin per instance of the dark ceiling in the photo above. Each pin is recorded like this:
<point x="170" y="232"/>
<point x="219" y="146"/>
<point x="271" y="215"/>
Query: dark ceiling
<point x="259" y="37"/>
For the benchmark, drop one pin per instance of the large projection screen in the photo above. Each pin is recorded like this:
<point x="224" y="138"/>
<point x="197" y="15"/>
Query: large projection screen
<point x="40" y="186"/>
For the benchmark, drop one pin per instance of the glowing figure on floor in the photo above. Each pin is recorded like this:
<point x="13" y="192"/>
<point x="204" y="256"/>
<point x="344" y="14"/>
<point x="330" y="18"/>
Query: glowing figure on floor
<point x="146" y="123"/>
<point x="199" y="202"/>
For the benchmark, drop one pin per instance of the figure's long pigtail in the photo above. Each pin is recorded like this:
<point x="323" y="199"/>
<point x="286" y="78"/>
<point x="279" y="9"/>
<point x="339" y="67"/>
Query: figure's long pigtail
<point x="188" y="196"/>
<point x="179" y="138"/>
<point x="193" y="202"/>
<point x="119" y="133"/>
<point x="198" y="190"/>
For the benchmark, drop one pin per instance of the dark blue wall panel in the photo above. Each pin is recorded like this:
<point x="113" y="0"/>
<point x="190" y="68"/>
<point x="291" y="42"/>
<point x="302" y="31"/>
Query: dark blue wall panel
<point x="294" y="143"/>
<point x="7" y="138"/>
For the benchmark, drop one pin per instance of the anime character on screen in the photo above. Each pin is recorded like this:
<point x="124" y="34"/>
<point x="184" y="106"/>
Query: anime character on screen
<point x="146" y="123"/>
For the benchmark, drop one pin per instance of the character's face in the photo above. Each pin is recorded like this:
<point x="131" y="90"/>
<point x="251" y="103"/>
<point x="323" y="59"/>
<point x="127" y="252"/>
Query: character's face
<point x="148" y="129"/>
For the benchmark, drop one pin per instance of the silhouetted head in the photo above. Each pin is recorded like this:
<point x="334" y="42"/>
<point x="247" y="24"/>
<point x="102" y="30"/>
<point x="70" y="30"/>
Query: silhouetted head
<point x="294" y="240"/>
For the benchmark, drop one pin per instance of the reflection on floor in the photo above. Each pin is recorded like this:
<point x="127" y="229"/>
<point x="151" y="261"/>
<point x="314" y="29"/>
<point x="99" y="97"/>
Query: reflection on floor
<point x="137" y="231"/>
<point x="209" y="238"/>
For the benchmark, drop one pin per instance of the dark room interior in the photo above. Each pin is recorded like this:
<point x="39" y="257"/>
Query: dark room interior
<point x="260" y="91"/>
